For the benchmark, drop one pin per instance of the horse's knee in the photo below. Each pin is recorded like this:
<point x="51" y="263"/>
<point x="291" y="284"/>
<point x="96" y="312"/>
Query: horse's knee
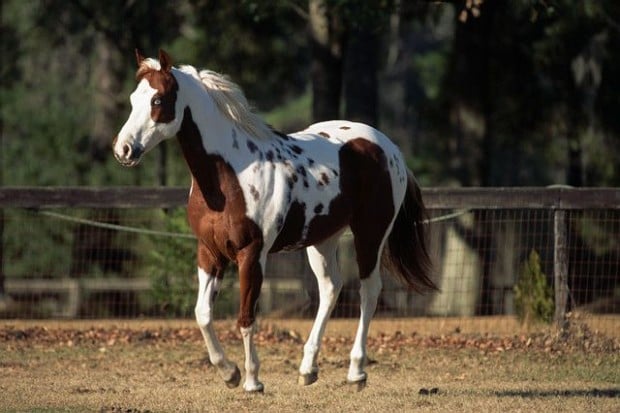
<point x="204" y="316"/>
<point x="246" y="320"/>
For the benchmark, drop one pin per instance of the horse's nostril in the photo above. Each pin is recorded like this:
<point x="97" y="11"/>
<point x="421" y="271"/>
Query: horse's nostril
<point x="126" y="149"/>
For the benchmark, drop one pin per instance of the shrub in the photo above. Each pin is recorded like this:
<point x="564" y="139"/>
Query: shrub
<point x="172" y="269"/>
<point x="533" y="295"/>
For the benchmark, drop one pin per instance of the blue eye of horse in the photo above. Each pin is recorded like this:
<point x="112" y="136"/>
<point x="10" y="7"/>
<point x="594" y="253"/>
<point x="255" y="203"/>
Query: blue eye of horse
<point x="156" y="102"/>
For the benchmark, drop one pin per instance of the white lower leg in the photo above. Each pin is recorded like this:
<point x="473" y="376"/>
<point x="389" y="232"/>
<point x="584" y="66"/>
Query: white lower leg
<point x="324" y="264"/>
<point x="207" y="290"/>
<point x="313" y="344"/>
<point x="252" y="363"/>
<point x="369" y="294"/>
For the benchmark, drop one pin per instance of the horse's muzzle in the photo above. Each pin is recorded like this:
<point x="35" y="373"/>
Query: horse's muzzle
<point x="129" y="155"/>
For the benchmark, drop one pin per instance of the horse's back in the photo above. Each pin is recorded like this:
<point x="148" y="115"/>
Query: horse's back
<point x="344" y="130"/>
<point x="345" y="133"/>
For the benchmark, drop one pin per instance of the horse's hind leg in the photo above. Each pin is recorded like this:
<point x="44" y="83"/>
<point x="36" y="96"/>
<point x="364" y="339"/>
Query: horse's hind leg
<point x="369" y="294"/>
<point x="369" y="237"/>
<point x="208" y="286"/>
<point x="323" y="261"/>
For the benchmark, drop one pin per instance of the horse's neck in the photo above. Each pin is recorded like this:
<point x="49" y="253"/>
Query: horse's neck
<point x="211" y="167"/>
<point x="205" y="167"/>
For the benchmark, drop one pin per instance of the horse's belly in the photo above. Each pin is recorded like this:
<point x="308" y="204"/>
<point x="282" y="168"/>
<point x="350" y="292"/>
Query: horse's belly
<point x="302" y="227"/>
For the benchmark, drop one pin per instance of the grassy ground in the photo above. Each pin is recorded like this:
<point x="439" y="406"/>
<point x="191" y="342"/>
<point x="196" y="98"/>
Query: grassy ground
<point x="161" y="366"/>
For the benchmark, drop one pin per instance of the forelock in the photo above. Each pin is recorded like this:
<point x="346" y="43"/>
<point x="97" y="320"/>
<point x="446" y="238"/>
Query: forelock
<point x="148" y="65"/>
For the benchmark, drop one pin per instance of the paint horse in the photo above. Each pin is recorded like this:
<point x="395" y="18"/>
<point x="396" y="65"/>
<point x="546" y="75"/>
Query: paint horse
<point x="257" y="191"/>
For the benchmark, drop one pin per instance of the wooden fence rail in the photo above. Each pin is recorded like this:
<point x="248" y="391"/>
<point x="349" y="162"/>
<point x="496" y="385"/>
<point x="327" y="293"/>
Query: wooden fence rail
<point x="435" y="198"/>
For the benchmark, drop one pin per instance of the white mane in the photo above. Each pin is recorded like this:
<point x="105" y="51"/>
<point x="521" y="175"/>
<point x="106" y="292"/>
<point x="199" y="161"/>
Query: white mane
<point x="231" y="101"/>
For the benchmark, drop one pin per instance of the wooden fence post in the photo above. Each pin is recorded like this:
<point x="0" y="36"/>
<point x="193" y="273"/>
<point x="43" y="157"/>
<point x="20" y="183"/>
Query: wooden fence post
<point x="560" y="267"/>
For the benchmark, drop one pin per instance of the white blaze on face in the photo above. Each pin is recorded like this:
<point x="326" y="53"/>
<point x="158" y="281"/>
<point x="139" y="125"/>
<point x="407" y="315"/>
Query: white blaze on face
<point x="140" y="132"/>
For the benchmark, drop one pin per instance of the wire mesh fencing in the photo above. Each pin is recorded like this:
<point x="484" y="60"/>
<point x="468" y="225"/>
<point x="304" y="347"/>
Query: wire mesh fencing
<point x="495" y="253"/>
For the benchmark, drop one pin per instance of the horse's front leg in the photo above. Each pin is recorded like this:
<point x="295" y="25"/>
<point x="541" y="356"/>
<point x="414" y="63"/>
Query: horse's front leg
<point x="208" y="286"/>
<point x="251" y="266"/>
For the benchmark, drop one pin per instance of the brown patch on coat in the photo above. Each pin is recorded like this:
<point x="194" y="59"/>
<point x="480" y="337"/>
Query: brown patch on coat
<point x="216" y="213"/>
<point x="345" y="127"/>
<point x="364" y="203"/>
<point x="325" y="135"/>
<point x="164" y="100"/>
<point x="292" y="228"/>
<point x="371" y="194"/>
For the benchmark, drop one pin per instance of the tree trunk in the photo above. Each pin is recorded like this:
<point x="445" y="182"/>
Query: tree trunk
<point x="574" y="169"/>
<point x="326" y="42"/>
<point x="110" y="73"/>
<point x="360" y="75"/>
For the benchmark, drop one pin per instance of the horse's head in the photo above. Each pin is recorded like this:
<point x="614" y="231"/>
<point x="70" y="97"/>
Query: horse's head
<point x="155" y="115"/>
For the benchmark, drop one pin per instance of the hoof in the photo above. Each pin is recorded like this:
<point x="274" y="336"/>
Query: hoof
<point x="358" y="385"/>
<point x="258" y="388"/>
<point x="234" y="380"/>
<point x="307" y="379"/>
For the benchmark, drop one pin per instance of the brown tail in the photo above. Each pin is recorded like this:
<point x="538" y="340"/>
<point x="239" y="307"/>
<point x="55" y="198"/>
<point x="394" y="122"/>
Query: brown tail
<point x="406" y="255"/>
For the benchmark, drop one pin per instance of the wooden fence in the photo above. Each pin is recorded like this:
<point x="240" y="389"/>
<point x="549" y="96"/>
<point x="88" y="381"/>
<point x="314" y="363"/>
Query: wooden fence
<point x="559" y="201"/>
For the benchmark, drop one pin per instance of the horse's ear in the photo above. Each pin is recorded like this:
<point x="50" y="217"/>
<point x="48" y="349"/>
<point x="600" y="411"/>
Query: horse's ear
<point x="139" y="57"/>
<point x="164" y="61"/>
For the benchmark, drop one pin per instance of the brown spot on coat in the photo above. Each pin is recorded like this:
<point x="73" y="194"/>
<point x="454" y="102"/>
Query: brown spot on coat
<point x="324" y="179"/>
<point x="251" y="146"/>
<point x="325" y="135"/>
<point x="254" y="192"/>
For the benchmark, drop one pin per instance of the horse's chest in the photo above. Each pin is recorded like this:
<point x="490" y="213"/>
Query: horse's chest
<point x="226" y="230"/>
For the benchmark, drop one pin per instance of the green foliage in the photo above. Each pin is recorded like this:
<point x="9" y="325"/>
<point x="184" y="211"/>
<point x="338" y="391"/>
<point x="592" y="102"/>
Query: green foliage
<point x="172" y="268"/>
<point x="533" y="296"/>
<point x="261" y="45"/>
<point x="430" y="67"/>
<point x="34" y="246"/>
<point x="599" y="235"/>
<point x="293" y="115"/>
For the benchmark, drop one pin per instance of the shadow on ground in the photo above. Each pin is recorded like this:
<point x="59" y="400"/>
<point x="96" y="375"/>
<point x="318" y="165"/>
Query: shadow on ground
<point x="609" y="393"/>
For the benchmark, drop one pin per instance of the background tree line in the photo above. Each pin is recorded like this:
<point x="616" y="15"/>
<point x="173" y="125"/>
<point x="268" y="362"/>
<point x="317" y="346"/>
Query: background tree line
<point x="489" y="93"/>
<point x="519" y="93"/>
